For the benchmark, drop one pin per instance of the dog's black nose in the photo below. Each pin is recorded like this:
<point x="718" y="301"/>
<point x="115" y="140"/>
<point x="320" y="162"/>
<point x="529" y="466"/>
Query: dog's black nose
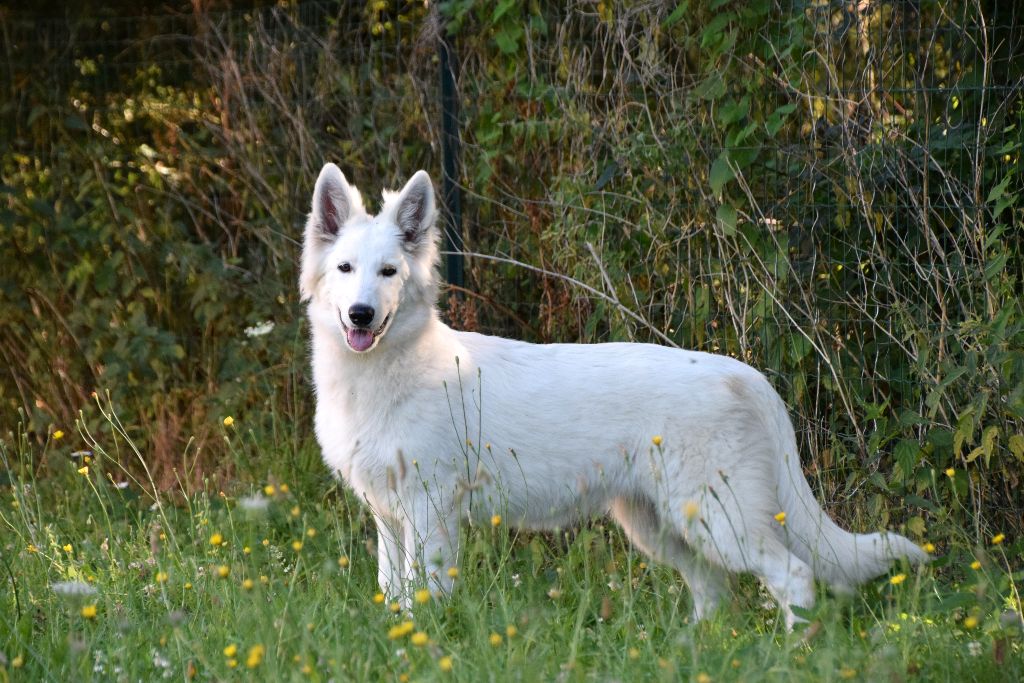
<point x="361" y="314"/>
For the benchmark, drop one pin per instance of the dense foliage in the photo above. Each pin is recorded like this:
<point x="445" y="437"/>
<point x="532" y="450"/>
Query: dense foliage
<point x="829" y="191"/>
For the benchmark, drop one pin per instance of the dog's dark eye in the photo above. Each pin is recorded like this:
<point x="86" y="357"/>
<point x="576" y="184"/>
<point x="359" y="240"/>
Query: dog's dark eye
<point x="388" y="271"/>
<point x="345" y="267"/>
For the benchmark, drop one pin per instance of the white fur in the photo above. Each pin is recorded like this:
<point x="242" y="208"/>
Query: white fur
<point x="432" y="427"/>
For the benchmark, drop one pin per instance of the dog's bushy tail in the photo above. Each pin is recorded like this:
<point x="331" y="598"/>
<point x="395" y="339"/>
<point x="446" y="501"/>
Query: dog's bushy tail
<point x="838" y="557"/>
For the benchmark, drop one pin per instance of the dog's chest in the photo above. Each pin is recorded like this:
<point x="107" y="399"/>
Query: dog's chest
<point x="374" y="441"/>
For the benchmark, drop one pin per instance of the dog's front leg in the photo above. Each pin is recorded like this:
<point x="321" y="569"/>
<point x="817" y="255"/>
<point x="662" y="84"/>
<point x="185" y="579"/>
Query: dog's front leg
<point x="390" y="557"/>
<point x="431" y="544"/>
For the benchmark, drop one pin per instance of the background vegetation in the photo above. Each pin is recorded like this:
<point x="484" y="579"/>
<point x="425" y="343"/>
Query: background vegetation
<point x="827" y="190"/>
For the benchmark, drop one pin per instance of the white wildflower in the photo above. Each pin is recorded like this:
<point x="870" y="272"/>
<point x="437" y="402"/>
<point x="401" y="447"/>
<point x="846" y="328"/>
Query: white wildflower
<point x="257" y="503"/>
<point x="160" y="661"/>
<point x="974" y="648"/>
<point x="260" y="329"/>
<point x="73" y="589"/>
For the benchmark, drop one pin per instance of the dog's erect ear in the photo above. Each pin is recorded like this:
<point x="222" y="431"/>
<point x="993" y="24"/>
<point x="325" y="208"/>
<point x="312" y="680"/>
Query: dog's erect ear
<point x="415" y="211"/>
<point x="333" y="202"/>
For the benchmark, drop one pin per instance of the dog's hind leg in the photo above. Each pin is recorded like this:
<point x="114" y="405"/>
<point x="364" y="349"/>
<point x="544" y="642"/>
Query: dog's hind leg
<point x="642" y="525"/>
<point x="750" y="546"/>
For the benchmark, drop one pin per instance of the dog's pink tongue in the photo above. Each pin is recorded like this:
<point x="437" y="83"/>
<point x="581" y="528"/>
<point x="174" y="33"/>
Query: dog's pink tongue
<point x="360" y="340"/>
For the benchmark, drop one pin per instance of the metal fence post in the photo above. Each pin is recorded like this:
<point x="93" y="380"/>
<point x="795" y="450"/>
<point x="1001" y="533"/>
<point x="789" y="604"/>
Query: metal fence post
<point x="452" y="193"/>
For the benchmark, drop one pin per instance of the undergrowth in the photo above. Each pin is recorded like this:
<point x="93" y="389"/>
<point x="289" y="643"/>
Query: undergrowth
<point x="271" y="575"/>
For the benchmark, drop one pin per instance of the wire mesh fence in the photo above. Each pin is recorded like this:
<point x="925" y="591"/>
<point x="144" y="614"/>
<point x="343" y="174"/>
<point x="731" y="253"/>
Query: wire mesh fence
<point x="820" y="188"/>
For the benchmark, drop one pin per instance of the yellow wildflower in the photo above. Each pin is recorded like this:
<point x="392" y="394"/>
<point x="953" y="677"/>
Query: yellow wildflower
<point x="32" y="549"/>
<point x="68" y="548"/>
<point x="247" y="550"/>
<point x="248" y="584"/>
<point x="970" y="622"/>
<point x="445" y="664"/>
<point x="419" y="639"/>
<point x="897" y="579"/>
<point x="269" y="489"/>
<point x="161" y="577"/>
<point x="223" y="571"/>
<point x="400" y="630"/>
<point x="781" y="518"/>
<point x="296" y="511"/>
<point x="296" y="546"/>
<point x="847" y="673"/>
<point x="232" y="663"/>
<point x="394" y="608"/>
<point x="928" y="547"/>
<point x="422" y="596"/>
<point x="976" y="565"/>
<point x="216" y="539"/>
<point x="343" y="561"/>
<point x="656" y="440"/>
<point x="188" y="585"/>
<point x="511" y="631"/>
<point x="284" y="488"/>
<point x="256" y="653"/>
<point x="950" y="472"/>
<point x="89" y="611"/>
<point x="84" y="471"/>
<point x="495" y="639"/>
<point x="495" y="520"/>
<point x="264" y="580"/>
<point x="378" y="599"/>
<point x="18" y="662"/>
<point x="228" y="421"/>
<point x="311" y="532"/>
<point x="58" y="435"/>
<point x="690" y="510"/>
<point x="453" y="572"/>
<point x="231" y="650"/>
<point x="703" y="678"/>
<point x="634" y="653"/>
<point x="998" y="538"/>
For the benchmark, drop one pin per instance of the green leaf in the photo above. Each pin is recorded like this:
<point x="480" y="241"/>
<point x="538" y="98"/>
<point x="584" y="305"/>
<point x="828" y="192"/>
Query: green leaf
<point x="726" y="217"/>
<point x="606" y="175"/>
<point x="916" y="525"/>
<point x="677" y="14"/>
<point x="733" y="111"/>
<point x="507" y="40"/>
<point x="713" y="29"/>
<point x="1016" y="446"/>
<point x="502" y="8"/>
<point x="1000" y="189"/>
<point x="906" y="455"/>
<point x="721" y="173"/>
<point x="710" y="88"/>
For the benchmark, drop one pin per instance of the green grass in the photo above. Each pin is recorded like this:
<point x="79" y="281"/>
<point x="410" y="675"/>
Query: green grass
<point x="582" y="604"/>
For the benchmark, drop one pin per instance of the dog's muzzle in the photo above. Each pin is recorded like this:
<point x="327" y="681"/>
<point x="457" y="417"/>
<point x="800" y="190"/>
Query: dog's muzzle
<point x="361" y="339"/>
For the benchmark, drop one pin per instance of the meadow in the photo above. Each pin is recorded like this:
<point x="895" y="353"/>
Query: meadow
<point x="270" y="575"/>
<point x="825" y="190"/>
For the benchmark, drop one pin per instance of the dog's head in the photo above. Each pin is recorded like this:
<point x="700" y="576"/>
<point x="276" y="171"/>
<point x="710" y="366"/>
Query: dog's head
<point x="366" y="276"/>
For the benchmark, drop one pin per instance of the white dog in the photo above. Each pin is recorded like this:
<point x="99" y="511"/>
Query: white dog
<point x="693" y="454"/>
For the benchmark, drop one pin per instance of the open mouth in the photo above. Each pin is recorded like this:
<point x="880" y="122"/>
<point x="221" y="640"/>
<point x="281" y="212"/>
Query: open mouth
<point x="362" y="338"/>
